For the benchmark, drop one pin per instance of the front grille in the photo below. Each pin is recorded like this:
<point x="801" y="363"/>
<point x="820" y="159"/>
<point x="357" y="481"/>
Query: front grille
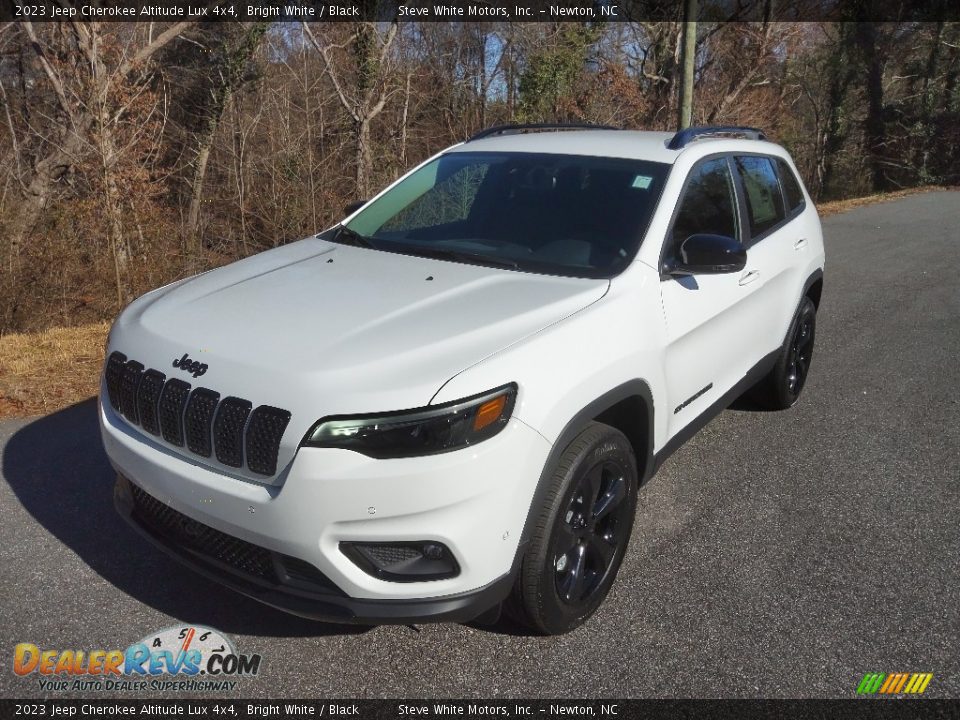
<point x="129" y="384"/>
<point x="228" y="430"/>
<point x="172" y="401"/>
<point x="147" y="398"/>
<point x="115" y="364"/>
<point x="197" y="419"/>
<point x="177" y="530"/>
<point x="183" y="531"/>
<point x="231" y="429"/>
<point x="263" y="438"/>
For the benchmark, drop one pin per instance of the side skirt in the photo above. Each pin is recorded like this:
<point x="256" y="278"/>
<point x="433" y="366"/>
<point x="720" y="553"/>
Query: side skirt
<point x="753" y="376"/>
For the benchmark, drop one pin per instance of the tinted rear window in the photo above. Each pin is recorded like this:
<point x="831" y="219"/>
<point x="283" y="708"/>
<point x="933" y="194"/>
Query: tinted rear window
<point x="764" y="201"/>
<point x="792" y="193"/>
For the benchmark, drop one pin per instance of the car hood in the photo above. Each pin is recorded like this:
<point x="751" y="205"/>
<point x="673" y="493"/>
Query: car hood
<point x="340" y="328"/>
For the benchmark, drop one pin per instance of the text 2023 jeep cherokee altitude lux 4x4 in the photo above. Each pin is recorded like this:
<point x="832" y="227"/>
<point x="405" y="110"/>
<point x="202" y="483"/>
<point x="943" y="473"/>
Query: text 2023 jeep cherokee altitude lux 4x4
<point x="450" y="399"/>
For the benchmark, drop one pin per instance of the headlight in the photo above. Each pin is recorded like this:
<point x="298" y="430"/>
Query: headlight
<point x="425" y="431"/>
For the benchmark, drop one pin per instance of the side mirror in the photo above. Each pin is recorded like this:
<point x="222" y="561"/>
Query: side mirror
<point x="709" y="254"/>
<point x="353" y="207"/>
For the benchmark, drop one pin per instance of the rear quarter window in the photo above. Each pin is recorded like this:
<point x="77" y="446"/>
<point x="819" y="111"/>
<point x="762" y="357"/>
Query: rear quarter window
<point x="792" y="194"/>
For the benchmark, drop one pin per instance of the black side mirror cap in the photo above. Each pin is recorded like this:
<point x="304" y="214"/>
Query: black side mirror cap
<point x="353" y="207"/>
<point x="705" y="254"/>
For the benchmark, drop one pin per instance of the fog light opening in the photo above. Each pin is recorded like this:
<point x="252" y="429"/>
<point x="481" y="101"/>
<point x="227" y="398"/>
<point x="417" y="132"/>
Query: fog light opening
<point x="403" y="561"/>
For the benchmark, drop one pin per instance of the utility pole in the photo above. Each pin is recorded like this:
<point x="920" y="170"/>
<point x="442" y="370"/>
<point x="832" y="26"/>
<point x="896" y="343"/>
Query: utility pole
<point x="688" y="58"/>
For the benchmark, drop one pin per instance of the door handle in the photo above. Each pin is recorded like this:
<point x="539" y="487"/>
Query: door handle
<point x="749" y="276"/>
<point x="800" y="243"/>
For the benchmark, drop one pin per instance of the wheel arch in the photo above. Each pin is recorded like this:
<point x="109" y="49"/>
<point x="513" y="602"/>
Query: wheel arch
<point x="813" y="287"/>
<point x="628" y="408"/>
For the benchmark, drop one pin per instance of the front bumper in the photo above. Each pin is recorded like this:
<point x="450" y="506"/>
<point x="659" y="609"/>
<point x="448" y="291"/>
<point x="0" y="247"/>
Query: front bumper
<point x="474" y="501"/>
<point x="317" y="604"/>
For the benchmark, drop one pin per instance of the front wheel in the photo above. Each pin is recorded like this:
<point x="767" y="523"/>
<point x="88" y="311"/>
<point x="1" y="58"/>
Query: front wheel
<point x="580" y="533"/>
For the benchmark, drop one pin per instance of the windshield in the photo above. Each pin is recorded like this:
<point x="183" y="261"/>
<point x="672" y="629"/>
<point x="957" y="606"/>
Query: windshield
<point x="558" y="214"/>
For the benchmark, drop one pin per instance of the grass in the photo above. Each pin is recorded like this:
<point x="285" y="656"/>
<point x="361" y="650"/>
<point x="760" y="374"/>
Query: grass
<point x="44" y="371"/>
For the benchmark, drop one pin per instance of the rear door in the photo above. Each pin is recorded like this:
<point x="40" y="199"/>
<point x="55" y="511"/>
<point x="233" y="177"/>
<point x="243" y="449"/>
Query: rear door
<point x="772" y="241"/>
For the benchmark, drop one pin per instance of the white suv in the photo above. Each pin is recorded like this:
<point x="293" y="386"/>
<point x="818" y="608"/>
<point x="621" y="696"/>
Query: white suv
<point x="449" y="400"/>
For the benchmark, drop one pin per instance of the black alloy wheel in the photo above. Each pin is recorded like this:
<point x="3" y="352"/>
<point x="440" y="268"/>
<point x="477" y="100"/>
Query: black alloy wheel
<point x="781" y="387"/>
<point x="590" y="532"/>
<point x="581" y="528"/>
<point x="801" y="352"/>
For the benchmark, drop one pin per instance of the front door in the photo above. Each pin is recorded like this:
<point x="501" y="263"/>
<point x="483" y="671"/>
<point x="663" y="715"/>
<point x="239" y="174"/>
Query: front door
<point x="710" y="318"/>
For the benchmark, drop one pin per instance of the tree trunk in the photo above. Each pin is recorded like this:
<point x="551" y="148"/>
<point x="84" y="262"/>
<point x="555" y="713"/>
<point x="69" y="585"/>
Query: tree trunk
<point x="196" y="187"/>
<point x="928" y="140"/>
<point x="231" y="76"/>
<point x="403" y="123"/>
<point x="42" y="184"/>
<point x="842" y="70"/>
<point x="874" y="126"/>
<point x="688" y="61"/>
<point x="363" y="158"/>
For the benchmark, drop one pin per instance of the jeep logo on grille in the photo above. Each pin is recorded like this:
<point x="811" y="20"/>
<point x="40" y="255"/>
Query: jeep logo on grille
<point x="191" y="366"/>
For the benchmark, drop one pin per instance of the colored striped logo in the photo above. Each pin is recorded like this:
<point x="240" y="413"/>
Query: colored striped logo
<point x="894" y="683"/>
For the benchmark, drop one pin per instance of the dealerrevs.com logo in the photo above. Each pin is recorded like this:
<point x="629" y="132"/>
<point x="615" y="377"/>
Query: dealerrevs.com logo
<point x="178" y="658"/>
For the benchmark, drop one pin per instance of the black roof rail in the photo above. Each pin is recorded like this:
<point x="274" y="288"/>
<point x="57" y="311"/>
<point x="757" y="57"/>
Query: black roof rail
<point x="521" y="127"/>
<point x="684" y="137"/>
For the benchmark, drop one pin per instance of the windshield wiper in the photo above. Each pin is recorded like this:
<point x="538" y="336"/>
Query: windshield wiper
<point x="352" y="237"/>
<point x="463" y="256"/>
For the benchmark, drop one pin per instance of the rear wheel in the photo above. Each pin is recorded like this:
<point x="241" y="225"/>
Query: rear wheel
<point x="580" y="533"/>
<point x="781" y="388"/>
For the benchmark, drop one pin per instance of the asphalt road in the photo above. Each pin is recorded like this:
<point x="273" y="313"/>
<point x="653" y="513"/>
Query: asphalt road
<point x="775" y="555"/>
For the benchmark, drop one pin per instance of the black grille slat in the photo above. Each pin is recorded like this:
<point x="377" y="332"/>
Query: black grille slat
<point x="263" y="436"/>
<point x="183" y="531"/>
<point x="115" y="364"/>
<point x="170" y="410"/>
<point x="198" y="419"/>
<point x="228" y="430"/>
<point x="147" y="398"/>
<point x="129" y="384"/>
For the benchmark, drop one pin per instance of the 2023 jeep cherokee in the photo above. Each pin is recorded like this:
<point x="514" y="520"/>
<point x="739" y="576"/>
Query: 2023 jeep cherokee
<point x="452" y="396"/>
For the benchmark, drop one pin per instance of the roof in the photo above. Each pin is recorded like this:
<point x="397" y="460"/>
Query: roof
<point x="631" y="144"/>
<point x="603" y="143"/>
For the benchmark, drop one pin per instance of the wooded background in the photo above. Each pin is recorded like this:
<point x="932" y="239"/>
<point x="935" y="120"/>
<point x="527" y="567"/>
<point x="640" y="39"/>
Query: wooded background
<point x="135" y="154"/>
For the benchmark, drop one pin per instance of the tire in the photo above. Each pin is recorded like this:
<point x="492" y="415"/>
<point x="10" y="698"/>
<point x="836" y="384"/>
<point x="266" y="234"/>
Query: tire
<point x="781" y="388"/>
<point x="580" y="533"/>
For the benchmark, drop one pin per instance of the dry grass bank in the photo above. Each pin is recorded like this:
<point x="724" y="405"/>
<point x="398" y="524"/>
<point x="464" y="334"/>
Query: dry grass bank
<point x="838" y="206"/>
<point x="45" y="371"/>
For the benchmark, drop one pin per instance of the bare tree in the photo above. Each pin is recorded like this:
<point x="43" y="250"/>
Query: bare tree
<point x="365" y="100"/>
<point x="95" y="80"/>
<point x="230" y="50"/>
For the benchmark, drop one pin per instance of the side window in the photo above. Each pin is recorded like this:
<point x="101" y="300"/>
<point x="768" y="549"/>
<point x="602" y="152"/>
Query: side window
<point x="764" y="201"/>
<point x="708" y="204"/>
<point x="792" y="194"/>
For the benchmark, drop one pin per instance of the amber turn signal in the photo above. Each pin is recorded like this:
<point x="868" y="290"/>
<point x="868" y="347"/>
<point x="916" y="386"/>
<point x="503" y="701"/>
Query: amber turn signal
<point x="489" y="412"/>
